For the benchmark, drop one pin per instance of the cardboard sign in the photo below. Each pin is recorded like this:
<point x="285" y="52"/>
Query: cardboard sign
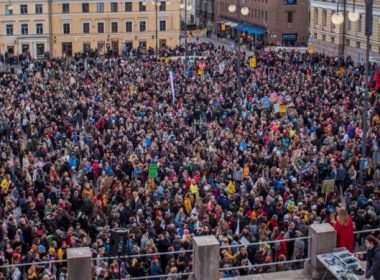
<point x="153" y="170"/>
<point x="328" y="186"/>
<point x="282" y="109"/>
<point x="266" y="102"/>
<point x="276" y="108"/>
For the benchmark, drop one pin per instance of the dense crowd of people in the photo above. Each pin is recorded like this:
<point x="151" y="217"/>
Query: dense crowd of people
<point x="91" y="144"/>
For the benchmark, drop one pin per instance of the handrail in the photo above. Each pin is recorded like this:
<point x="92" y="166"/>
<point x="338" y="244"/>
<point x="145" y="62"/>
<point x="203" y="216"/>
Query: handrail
<point x="264" y="242"/>
<point x="263" y="264"/>
<point x="162" y="275"/>
<point x="142" y="255"/>
<point x="366" y="230"/>
<point x="32" y="263"/>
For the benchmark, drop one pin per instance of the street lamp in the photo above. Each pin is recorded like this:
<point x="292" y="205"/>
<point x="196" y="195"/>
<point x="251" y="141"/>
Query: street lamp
<point x="354" y="16"/>
<point x="186" y="6"/>
<point x="239" y="11"/>
<point x="157" y="4"/>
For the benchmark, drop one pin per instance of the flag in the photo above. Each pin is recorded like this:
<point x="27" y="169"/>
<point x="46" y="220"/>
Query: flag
<point x="376" y="80"/>
<point x="172" y="85"/>
<point x="222" y="66"/>
<point x="238" y="227"/>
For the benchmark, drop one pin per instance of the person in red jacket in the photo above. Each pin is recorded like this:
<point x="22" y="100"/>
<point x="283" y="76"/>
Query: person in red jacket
<point x="279" y="246"/>
<point x="345" y="230"/>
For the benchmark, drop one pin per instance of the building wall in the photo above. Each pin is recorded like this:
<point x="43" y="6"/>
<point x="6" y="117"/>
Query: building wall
<point x="75" y="39"/>
<point x="17" y="41"/>
<point x="271" y="15"/>
<point x="329" y="39"/>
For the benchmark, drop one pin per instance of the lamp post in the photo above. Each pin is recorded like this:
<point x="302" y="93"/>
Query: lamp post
<point x="185" y="5"/>
<point x="239" y="11"/>
<point x="157" y="4"/>
<point x="354" y="16"/>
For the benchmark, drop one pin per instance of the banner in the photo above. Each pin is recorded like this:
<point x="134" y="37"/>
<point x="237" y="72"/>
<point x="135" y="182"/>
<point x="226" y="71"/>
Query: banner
<point x="152" y="170"/>
<point x="328" y="186"/>
<point x="265" y="101"/>
<point x="172" y="85"/>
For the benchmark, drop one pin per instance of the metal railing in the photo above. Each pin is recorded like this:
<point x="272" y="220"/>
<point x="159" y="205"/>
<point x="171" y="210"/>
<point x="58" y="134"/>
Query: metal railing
<point x="264" y="242"/>
<point x="32" y="263"/>
<point x="251" y="267"/>
<point x="142" y="255"/>
<point x="165" y="276"/>
<point x="361" y="235"/>
<point x="263" y="264"/>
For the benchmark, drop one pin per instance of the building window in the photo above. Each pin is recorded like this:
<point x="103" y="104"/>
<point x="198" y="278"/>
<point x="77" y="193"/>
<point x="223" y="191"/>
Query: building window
<point x="162" y="6"/>
<point x="65" y="8"/>
<point x="100" y="27"/>
<point x="66" y="28"/>
<point x="24" y="9"/>
<point x="324" y="17"/>
<point x="39" y="28"/>
<point x="85" y="7"/>
<point x="142" y="44"/>
<point x="162" y="25"/>
<point x="162" y="43"/>
<point x="114" y="8"/>
<point x="142" y="26"/>
<point x="128" y="26"/>
<point x="360" y="22"/>
<point x="100" y="7"/>
<point x="316" y="15"/>
<point x="347" y="42"/>
<point x="333" y="40"/>
<point x="86" y="46"/>
<point x="358" y="45"/>
<point x="128" y="6"/>
<point x="290" y="17"/>
<point x="114" y="27"/>
<point x="142" y="7"/>
<point x="324" y="38"/>
<point x="40" y="49"/>
<point x="86" y="27"/>
<point x="9" y="28"/>
<point x="38" y="9"/>
<point x="24" y="29"/>
<point x="8" y="10"/>
<point x="24" y="48"/>
<point x="11" y="49"/>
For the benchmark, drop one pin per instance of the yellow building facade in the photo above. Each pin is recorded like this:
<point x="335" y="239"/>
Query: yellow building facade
<point x="73" y="26"/>
<point x="347" y="39"/>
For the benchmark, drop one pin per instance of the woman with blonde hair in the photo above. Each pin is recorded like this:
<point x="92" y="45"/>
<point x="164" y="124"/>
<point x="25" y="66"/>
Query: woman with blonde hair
<point x="344" y="228"/>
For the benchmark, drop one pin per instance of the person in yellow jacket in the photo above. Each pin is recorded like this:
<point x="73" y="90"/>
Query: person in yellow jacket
<point x="5" y="184"/>
<point x="187" y="203"/>
<point x="194" y="189"/>
<point x="231" y="189"/>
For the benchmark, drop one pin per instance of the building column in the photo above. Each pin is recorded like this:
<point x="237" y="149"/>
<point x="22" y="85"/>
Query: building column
<point x="79" y="263"/>
<point x="323" y="240"/>
<point x="206" y="258"/>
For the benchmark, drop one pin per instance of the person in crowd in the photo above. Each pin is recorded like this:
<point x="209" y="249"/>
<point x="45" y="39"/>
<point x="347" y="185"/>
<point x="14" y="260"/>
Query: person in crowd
<point x="344" y="228"/>
<point x="373" y="257"/>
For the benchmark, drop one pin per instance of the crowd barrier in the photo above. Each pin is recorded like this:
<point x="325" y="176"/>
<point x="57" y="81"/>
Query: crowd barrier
<point x="206" y="254"/>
